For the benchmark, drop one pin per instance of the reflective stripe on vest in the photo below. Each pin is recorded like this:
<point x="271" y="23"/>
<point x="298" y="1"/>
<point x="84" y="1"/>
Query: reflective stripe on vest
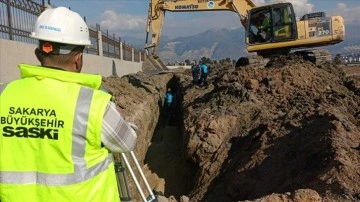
<point x="81" y="173"/>
<point x="2" y="87"/>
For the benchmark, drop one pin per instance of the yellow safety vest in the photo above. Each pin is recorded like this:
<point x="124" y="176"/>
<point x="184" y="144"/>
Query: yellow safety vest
<point x="50" y="141"/>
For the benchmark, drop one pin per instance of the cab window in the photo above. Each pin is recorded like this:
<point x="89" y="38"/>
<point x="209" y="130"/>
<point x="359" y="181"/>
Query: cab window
<point x="284" y="24"/>
<point x="271" y="24"/>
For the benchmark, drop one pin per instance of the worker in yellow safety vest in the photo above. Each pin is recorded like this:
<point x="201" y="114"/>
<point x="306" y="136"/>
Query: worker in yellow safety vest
<point x="58" y="128"/>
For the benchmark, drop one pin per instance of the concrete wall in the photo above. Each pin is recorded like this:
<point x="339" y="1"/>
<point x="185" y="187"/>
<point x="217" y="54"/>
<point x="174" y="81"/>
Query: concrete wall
<point x="13" y="53"/>
<point x="179" y="66"/>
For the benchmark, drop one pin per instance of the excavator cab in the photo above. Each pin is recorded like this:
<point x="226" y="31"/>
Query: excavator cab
<point x="271" y="23"/>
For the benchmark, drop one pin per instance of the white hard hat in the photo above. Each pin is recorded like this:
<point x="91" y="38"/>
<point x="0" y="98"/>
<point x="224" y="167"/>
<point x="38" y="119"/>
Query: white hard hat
<point x="61" y="25"/>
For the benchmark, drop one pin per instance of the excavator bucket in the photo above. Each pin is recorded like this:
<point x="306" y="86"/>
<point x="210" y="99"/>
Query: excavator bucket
<point x="152" y="65"/>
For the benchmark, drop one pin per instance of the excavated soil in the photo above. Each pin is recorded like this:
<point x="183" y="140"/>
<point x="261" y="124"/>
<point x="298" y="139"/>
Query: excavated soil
<point x="287" y="132"/>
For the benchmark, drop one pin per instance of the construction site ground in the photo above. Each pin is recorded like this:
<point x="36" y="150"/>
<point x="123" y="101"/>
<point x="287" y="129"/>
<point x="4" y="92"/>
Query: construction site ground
<point x="286" y="132"/>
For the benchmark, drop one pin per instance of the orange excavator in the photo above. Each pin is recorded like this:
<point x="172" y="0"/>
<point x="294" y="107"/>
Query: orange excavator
<point x="284" y="33"/>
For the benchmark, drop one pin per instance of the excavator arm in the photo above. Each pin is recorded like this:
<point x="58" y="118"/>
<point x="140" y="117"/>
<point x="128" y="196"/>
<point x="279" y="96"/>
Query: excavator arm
<point x="157" y="9"/>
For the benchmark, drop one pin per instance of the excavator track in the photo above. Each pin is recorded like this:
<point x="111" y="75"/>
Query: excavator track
<point x="317" y="56"/>
<point x="255" y="60"/>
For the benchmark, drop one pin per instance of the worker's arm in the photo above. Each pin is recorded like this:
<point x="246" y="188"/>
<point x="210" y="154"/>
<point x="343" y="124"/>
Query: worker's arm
<point x="266" y="24"/>
<point x="117" y="135"/>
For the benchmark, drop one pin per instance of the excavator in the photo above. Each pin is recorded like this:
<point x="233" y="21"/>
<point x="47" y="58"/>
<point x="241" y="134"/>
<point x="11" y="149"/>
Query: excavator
<point x="285" y="34"/>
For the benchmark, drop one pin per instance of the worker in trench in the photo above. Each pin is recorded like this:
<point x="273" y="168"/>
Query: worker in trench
<point x="168" y="106"/>
<point x="58" y="129"/>
<point x="204" y="73"/>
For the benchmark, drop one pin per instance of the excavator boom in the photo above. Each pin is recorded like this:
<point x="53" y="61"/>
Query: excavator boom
<point x="157" y="9"/>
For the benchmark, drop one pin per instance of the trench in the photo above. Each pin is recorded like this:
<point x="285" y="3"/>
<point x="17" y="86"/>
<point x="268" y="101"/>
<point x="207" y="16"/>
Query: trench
<point x="165" y="155"/>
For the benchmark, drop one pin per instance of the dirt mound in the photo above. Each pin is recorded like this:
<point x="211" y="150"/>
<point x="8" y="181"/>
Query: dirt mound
<point x="289" y="132"/>
<point x="257" y="131"/>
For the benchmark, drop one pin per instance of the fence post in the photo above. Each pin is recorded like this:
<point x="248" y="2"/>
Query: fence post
<point x="100" y="47"/>
<point x="9" y="19"/>
<point x="132" y="54"/>
<point x="113" y="44"/>
<point x="107" y="43"/>
<point x="121" y="52"/>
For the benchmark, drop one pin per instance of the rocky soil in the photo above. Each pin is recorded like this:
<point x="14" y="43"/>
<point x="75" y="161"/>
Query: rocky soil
<point x="287" y="132"/>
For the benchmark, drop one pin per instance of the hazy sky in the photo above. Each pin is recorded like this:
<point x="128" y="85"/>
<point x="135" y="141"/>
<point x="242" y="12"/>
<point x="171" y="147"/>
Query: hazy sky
<point x="128" y="17"/>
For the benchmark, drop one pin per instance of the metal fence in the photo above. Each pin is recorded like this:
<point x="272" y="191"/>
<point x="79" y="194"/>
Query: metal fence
<point x="17" y="18"/>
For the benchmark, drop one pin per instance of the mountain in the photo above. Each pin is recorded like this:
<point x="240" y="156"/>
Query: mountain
<point x="140" y="42"/>
<point x="222" y="43"/>
<point x="215" y="44"/>
<point x="351" y="44"/>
